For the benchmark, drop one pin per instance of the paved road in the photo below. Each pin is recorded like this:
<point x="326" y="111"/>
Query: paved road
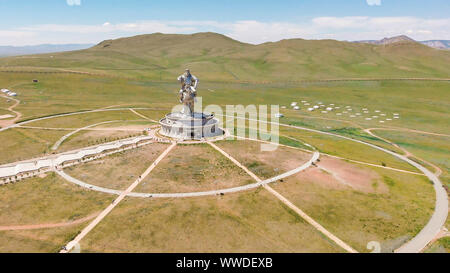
<point x="437" y="220"/>
<point x="407" y="153"/>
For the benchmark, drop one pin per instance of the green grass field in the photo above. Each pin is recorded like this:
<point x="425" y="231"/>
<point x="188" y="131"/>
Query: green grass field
<point x="141" y="72"/>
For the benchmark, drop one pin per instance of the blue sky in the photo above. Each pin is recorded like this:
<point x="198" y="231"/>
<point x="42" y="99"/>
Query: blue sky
<point x="28" y="22"/>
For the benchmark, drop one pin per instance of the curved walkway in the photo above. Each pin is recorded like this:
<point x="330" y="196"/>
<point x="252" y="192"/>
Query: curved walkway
<point x="418" y="243"/>
<point x="142" y="116"/>
<point x="407" y="153"/>
<point x="437" y="220"/>
<point x="71" y="179"/>
<point x="285" y="201"/>
<point x="105" y="212"/>
<point x="70" y="114"/>
<point x="62" y="139"/>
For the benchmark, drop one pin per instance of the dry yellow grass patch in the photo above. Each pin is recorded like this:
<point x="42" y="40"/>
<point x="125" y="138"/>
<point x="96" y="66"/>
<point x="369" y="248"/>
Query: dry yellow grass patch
<point x="192" y="168"/>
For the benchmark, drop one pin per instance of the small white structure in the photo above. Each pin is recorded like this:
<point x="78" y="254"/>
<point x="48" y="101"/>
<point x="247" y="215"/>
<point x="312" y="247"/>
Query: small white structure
<point x="329" y="108"/>
<point x="324" y="112"/>
<point x="296" y="108"/>
<point x="283" y="107"/>
<point x="5" y="91"/>
<point x="311" y="109"/>
<point x="293" y="104"/>
<point x="12" y="94"/>
<point x="279" y="115"/>
<point x="316" y="107"/>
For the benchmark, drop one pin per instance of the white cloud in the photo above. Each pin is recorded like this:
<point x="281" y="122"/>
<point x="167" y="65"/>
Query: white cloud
<point x="73" y="2"/>
<point x="373" y="2"/>
<point x="259" y="32"/>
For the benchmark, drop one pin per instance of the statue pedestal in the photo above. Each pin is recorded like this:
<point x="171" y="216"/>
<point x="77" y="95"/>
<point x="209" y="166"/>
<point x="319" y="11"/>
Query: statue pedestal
<point x="186" y="127"/>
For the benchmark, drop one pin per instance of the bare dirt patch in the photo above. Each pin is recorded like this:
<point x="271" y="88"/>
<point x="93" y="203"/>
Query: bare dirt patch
<point x="337" y="174"/>
<point x="353" y="176"/>
<point x="265" y="164"/>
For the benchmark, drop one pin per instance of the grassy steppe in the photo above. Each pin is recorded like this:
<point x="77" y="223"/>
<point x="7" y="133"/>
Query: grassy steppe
<point x="47" y="200"/>
<point x="21" y="144"/>
<point x="432" y="148"/>
<point x="120" y="170"/>
<point x="245" y="222"/>
<point x="193" y="168"/>
<point x="37" y="241"/>
<point x="357" y="218"/>
<point x="219" y="58"/>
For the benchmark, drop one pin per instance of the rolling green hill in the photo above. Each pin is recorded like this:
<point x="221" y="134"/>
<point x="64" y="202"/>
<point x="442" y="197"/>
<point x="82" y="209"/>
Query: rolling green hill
<point x="219" y="58"/>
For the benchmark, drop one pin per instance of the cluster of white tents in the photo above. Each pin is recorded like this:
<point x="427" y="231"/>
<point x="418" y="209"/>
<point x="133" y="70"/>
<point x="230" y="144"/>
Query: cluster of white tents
<point x="9" y="92"/>
<point x="345" y="110"/>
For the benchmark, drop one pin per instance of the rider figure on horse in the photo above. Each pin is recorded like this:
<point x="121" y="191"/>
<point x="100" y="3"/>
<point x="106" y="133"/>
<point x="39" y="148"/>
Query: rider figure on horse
<point x="188" y="84"/>
<point x="188" y="91"/>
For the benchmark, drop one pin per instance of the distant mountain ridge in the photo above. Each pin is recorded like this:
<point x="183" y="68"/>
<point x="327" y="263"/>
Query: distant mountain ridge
<point x="215" y="57"/>
<point x="40" y="49"/>
<point x="439" y="44"/>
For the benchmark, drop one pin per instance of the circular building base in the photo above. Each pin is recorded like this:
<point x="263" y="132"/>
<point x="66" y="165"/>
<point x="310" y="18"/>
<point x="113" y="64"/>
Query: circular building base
<point x="196" y="127"/>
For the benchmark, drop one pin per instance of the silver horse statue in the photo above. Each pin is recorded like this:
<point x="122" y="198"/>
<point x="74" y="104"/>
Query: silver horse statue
<point x="188" y="92"/>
